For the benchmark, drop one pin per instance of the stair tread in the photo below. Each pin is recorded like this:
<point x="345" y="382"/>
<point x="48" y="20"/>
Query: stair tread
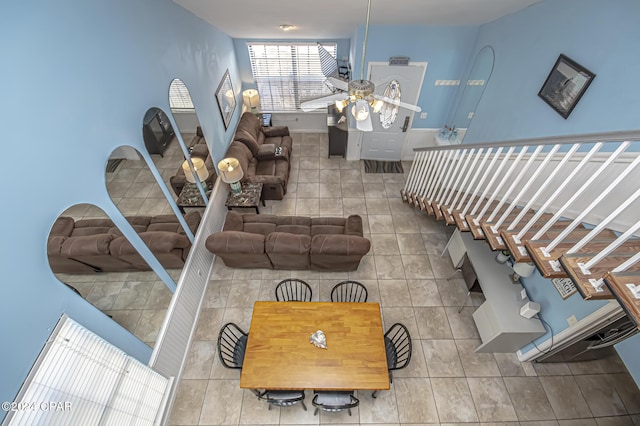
<point x="597" y="272"/>
<point x="519" y="251"/>
<point x="476" y="229"/>
<point x="548" y="265"/>
<point x="493" y="236"/>
<point x="617" y="284"/>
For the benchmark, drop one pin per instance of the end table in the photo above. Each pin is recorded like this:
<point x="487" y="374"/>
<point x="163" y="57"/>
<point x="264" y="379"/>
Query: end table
<point x="249" y="197"/>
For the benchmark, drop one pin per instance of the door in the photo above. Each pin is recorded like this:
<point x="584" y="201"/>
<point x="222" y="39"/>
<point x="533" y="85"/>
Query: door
<point x="386" y="144"/>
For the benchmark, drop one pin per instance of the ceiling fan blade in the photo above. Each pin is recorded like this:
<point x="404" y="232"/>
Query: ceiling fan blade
<point x="322" y="102"/>
<point x="340" y="84"/>
<point x="364" y="125"/>
<point x="415" y="108"/>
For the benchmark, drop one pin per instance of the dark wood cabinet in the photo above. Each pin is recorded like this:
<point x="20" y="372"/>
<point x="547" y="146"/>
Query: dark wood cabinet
<point x="338" y="131"/>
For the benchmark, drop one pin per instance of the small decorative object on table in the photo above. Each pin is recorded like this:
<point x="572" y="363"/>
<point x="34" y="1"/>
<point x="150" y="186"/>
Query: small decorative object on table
<point x="319" y="339"/>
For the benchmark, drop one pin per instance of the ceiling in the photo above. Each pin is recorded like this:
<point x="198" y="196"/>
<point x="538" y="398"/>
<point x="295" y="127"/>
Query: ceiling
<point x="338" y="19"/>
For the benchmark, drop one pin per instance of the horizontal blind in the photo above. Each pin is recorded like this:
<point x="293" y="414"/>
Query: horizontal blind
<point x="287" y="74"/>
<point x="81" y="379"/>
<point x="179" y="96"/>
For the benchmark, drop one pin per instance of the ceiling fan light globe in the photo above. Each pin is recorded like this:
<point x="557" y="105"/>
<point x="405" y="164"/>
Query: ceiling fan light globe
<point x="340" y="105"/>
<point x="377" y="105"/>
<point x="360" y="112"/>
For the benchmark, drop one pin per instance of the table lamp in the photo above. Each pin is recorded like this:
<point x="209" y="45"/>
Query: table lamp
<point x="231" y="173"/>
<point x="251" y="100"/>
<point x="201" y="171"/>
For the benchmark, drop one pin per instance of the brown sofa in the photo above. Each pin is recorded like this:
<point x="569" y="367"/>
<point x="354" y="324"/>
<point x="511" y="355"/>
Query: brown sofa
<point x="255" y="147"/>
<point x="96" y="245"/>
<point x="199" y="149"/>
<point x="290" y="242"/>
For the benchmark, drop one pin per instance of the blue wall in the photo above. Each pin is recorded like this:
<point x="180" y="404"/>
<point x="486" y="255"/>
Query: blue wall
<point x="601" y="36"/>
<point x="79" y="77"/>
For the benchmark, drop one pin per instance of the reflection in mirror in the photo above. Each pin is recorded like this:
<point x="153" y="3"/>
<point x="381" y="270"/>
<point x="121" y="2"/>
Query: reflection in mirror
<point x="186" y="119"/>
<point x="473" y="90"/>
<point x="88" y="253"/>
<point x="135" y="191"/>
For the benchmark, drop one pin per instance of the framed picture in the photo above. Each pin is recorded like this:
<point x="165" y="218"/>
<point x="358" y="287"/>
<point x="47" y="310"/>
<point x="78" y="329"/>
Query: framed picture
<point x="226" y="99"/>
<point x="565" y="85"/>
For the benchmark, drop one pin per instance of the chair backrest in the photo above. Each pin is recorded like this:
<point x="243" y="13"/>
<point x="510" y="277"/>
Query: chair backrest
<point x="293" y="290"/>
<point x="232" y="342"/>
<point x="397" y="342"/>
<point x="282" y="398"/>
<point x="335" y="400"/>
<point x="349" y="291"/>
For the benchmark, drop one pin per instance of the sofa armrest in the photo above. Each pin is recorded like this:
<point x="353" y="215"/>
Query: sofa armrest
<point x="337" y="244"/>
<point x="266" y="179"/>
<point x="227" y="242"/>
<point x="275" y="131"/>
<point x="353" y="225"/>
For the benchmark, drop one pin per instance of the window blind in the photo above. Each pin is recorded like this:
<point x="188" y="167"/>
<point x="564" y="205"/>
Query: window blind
<point x="81" y="379"/>
<point x="287" y="74"/>
<point x="179" y="96"/>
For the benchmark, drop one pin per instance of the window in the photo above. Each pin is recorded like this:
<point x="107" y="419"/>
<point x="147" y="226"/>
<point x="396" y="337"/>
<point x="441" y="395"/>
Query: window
<point x="288" y="74"/>
<point x="179" y="97"/>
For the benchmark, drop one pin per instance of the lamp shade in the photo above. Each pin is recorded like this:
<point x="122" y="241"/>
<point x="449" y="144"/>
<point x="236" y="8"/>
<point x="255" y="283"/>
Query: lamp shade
<point x="230" y="170"/>
<point x="251" y="98"/>
<point x="198" y="165"/>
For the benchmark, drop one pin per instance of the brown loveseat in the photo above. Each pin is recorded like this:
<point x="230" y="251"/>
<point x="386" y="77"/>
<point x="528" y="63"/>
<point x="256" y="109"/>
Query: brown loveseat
<point x="199" y="149"/>
<point x="255" y="147"/>
<point x="96" y="245"/>
<point x="290" y="242"/>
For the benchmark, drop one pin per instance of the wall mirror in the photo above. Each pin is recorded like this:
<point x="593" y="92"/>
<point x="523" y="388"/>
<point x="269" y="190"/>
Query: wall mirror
<point x="473" y="90"/>
<point x="88" y="253"/>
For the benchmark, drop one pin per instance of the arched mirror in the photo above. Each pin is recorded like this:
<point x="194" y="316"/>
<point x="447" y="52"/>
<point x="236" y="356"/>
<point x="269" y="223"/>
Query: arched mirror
<point x="186" y="119"/>
<point x="472" y="92"/>
<point x="89" y="254"/>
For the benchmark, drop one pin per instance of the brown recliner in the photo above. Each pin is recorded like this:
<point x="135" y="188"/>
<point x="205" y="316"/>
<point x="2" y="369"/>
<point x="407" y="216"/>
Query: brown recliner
<point x="199" y="149"/>
<point x="255" y="147"/>
<point x="290" y="242"/>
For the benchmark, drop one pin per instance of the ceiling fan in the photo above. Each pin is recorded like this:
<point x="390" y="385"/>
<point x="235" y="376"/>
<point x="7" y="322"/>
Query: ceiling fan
<point x="359" y="93"/>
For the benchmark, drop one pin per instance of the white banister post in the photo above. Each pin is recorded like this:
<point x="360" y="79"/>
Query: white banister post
<point x="420" y="179"/>
<point x="417" y="157"/>
<point x="436" y="171"/>
<point x="626" y="265"/>
<point x="459" y="177"/>
<point x="475" y="190"/>
<point x="494" y="176"/>
<point x="541" y="189"/>
<point x="446" y="165"/>
<point x="455" y="165"/>
<point x="545" y="250"/>
<point x="463" y="185"/>
<point x="413" y="177"/>
<point x="504" y="180"/>
<point x="611" y="247"/>
<point x="557" y="192"/>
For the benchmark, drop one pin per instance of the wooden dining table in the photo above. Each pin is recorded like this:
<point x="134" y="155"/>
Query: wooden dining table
<point x="279" y="354"/>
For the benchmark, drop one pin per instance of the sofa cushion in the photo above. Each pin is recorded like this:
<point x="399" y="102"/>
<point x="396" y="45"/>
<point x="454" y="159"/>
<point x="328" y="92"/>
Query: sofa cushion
<point x="294" y="229"/>
<point x="345" y="245"/>
<point x="89" y="231"/>
<point x="293" y="220"/>
<point x="89" y="245"/>
<point x="266" y="168"/>
<point x="200" y="151"/>
<point x="164" y="227"/>
<point x="261" y="218"/>
<point x="233" y="221"/>
<point x="164" y="242"/>
<point x="260" y="228"/>
<point x="266" y="151"/>
<point x="285" y="243"/>
<point x="235" y="242"/>
<point x="248" y="139"/>
<point x="63" y="226"/>
<point x="353" y="225"/>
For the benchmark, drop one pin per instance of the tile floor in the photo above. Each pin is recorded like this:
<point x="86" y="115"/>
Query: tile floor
<point x="446" y="382"/>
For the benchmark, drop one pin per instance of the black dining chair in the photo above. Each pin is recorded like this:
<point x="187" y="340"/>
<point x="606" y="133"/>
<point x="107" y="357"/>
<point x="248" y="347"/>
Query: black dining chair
<point x="349" y="291"/>
<point x="334" y="401"/>
<point x="283" y="398"/>
<point x="293" y="290"/>
<point x="232" y="342"/>
<point x="397" y="343"/>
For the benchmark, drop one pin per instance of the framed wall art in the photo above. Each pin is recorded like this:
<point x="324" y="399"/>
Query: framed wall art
<point x="226" y="99"/>
<point x="565" y="85"/>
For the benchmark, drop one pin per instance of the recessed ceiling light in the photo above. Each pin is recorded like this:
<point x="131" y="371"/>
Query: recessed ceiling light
<point x="286" y="27"/>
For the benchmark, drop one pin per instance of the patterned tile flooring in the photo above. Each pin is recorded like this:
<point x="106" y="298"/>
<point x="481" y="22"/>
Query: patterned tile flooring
<point x="446" y="382"/>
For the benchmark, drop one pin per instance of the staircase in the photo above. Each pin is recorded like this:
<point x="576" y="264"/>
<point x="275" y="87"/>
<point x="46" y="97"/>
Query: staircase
<point x="569" y="205"/>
